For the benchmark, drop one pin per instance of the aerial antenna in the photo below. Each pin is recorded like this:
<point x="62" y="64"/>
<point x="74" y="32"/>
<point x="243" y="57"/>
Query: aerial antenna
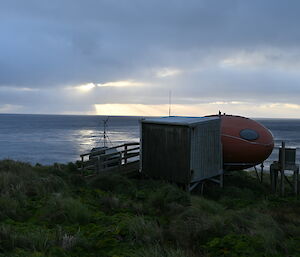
<point x="170" y="95"/>
<point x="105" y="136"/>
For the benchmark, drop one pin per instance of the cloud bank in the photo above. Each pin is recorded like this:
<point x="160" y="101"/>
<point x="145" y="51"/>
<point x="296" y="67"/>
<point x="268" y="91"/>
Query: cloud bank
<point x="83" y="56"/>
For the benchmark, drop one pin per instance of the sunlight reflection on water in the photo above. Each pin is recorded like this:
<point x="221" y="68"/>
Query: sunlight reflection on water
<point x="61" y="138"/>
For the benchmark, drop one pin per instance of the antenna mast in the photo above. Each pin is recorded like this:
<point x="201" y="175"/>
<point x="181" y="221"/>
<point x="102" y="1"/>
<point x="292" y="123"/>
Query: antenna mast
<point x="170" y="102"/>
<point x="104" y="131"/>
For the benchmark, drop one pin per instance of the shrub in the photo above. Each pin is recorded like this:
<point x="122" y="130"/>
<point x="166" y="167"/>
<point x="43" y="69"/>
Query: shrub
<point x="194" y="227"/>
<point x="44" y="185"/>
<point x="158" y="251"/>
<point x="10" y="207"/>
<point x="14" y="166"/>
<point x="206" y="205"/>
<point x="239" y="185"/>
<point x="113" y="183"/>
<point x="166" y="197"/>
<point x="235" y="197"/>
<point x="144" y="231"/>
<point x="253" y="222"/>
<point x="37" y="239"/>
<point x="243" y="179"/>
<point x="61" y="209"/>
<point x="235" y="245"/>
<point x="72" y="167"/>
<point x="10" y="181"/>
<point x="77" y="181"/>
<point x="29" y="182"/>
<point x="66" y="240"/>
<point x="110" y="202"/>
<point x="292" y="247"/>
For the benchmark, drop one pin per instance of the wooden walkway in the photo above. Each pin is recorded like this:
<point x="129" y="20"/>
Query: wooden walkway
<point x="122" y="158"/>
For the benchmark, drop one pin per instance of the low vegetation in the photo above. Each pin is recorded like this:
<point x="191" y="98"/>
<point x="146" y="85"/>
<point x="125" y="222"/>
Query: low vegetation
<point x="54" y="211"/>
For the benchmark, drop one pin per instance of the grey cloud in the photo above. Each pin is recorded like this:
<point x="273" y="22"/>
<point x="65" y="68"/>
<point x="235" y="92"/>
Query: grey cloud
<point x="56" y="44"/>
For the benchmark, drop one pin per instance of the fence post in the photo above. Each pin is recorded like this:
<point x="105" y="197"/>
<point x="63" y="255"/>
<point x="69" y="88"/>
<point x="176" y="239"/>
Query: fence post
<point x="125" y="154"/>
<point x="98" y="164"/>
<point x="120" y="162"/>
<point x="82" y="167"/>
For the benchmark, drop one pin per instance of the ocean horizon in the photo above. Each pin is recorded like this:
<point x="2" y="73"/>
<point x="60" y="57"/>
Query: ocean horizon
<point x="61" y="138"/>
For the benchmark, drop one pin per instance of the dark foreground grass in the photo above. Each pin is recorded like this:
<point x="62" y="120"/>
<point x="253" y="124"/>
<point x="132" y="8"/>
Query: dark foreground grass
<point x="53" y="211"/>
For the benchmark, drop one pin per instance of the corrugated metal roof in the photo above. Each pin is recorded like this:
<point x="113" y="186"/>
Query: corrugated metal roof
<point x="179" y="120"/>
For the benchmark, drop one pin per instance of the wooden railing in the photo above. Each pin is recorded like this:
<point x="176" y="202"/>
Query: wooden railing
<point x="110" y="158"/>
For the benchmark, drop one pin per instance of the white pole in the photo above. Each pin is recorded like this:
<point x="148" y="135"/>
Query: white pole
<point x="170" y="102"/>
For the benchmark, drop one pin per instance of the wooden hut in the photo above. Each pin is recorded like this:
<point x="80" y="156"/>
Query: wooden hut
<point x="183" y="150"/>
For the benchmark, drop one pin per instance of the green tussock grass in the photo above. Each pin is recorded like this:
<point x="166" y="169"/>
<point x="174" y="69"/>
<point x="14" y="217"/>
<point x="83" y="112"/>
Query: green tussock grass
<point x="54" y="211"/>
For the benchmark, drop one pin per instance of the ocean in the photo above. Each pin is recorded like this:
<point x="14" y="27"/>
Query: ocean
<point x="47" y="139"/>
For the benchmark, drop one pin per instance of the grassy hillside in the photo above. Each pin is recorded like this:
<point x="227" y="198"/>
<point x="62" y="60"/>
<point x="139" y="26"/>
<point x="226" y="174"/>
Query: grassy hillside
<point x="53" y="211"/>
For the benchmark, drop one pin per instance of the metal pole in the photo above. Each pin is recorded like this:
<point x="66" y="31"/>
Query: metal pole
<point x="272" y="178"/>
<point x="104" y="133"/>
<point x="98" y="164"/>
<point x="282" y="166"/>
<point x="81" y="162"/>
<point x="261" y="172"/>
<point x="256" y="173"/>
<point x="275" y="180"/>
<point x="295" y="177"/>
<point x="202" y="188"/>
<point x="222" y="180"/>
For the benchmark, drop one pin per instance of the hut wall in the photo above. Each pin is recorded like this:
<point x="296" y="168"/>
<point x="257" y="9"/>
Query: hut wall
<point x="206" y="150"/>
<point x="166" y="152"/>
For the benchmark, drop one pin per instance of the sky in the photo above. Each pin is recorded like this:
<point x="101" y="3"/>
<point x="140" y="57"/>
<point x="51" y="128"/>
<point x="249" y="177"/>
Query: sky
<point x="134" y="57"/>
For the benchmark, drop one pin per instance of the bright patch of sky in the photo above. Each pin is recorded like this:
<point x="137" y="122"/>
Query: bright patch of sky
<point x="124" y="57"/>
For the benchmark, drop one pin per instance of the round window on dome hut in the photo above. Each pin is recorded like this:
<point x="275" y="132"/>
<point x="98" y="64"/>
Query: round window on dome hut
<point x="249" y="134"/>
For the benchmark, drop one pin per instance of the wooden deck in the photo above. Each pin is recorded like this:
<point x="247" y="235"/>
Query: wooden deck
<point x="122" y="158"/>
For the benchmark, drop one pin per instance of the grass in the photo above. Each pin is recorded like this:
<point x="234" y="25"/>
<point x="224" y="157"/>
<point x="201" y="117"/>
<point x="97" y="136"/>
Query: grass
<point x="53" y="211"/>
<point x="65" y="209"/>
